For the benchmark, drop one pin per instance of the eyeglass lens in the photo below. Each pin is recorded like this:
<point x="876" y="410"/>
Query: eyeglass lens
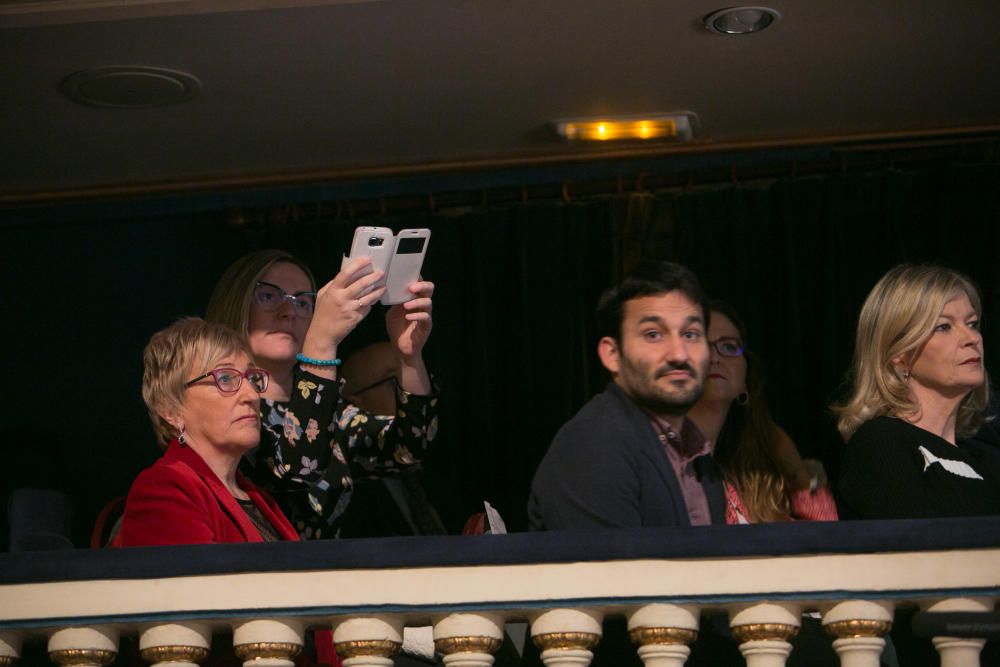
<point x="230" y="379"/>
<point x="270" y="297"/>
<point x="728" y="347"/>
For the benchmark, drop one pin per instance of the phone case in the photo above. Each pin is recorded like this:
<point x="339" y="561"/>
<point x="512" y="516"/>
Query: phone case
<point x="377" y="243"/>
<point x="407" y="260"/>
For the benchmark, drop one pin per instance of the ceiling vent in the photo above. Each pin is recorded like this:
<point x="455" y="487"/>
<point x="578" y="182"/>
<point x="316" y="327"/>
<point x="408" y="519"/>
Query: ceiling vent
<point x="130" y="87"/>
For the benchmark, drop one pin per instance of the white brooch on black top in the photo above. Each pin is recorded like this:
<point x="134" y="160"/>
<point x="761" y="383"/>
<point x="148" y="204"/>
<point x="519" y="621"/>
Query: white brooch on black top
<point x="959" y="468"/>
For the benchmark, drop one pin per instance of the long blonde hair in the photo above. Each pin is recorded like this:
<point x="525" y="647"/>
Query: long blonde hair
<point x="896" y="320"/>
<point x="230" y="300"/>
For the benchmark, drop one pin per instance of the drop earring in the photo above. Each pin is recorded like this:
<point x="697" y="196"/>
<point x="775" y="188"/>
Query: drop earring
<point x="181" y="438"/>
<point x="743" y="398"/>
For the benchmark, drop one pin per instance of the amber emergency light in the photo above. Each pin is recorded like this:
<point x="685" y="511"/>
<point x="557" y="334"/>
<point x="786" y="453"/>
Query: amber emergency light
<point x="675" y="126"/>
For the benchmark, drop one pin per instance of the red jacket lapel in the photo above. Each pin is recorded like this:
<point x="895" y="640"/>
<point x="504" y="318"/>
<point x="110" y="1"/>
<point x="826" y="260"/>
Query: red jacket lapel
<point x="229" y="504"/>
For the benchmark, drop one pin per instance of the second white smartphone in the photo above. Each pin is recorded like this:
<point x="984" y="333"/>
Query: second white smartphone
<point x="404" y="268"/>
<point x="377" y="243"/>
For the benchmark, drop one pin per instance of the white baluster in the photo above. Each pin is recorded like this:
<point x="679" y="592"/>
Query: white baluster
<point x="859" y="627"/>
<point x="175" y="644"/>
<point x="566" y="636"/>
<point x="468" y="640"/>
<point x="10" y="648"/>
<point x="368" y="641"/>
<point x="958" y="651"/>
<point x="268" y="642"/>
<point x="84" y="647"/>
<point x="764" y="630"/>
<point x="663" y="632"/>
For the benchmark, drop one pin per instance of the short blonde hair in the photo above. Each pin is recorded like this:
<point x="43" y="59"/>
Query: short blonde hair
<point x="185" y="349"/>
<point x="230" y="300"/>
<point x="896" y="320"/>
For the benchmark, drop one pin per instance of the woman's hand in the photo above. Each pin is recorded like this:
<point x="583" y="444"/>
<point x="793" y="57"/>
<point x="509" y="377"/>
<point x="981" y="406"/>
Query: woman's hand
<point x="340" y="305"/>
<point x="409" y="324"/>
<point x="798" y="474"/>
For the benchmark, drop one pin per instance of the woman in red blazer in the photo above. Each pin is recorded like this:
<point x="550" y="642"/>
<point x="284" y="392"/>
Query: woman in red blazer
<point x="203" y="391"/>
<point x="203" y="395"/>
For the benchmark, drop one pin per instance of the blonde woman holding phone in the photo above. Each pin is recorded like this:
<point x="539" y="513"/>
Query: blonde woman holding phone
<point x="313" y="439"/>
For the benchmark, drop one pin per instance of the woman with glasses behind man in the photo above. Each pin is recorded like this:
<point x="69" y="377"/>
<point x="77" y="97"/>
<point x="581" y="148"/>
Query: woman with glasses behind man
<point x="313" y="439"/>
<point x="765" y="478"/>
<point x="202" y="391"/>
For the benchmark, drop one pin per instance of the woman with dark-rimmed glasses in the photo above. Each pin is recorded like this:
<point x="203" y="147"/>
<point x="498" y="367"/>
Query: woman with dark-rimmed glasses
<point x="765" y="478"/>
<point x="202" y="390"/>
<point x="314" y="439"/>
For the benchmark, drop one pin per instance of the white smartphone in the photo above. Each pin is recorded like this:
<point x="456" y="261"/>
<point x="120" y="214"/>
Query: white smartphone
<point x="377" y="243"/>
<point x="404" y="269"/>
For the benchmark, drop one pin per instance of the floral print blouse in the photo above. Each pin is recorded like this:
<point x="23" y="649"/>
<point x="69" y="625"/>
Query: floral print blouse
<point x="315" y="443"/>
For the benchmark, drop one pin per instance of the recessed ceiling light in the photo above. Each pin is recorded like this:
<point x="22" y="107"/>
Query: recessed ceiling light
<point x="741" y="20"/>
<point x="130" y="87"/>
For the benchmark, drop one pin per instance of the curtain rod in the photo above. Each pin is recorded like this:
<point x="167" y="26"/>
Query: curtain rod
<point x="210" y="185"/>
<point x="855" y="160"/>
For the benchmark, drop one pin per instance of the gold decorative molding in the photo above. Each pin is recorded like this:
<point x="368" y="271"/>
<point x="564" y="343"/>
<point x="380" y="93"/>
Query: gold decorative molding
<point x="155" y="654"/>
<point x="858" y="628"/>
<point x="566" y="640"/>
<point x="764" y="631"/>
<point x="644" y="636"/>
<point x="259" y="650"/>
<point x="82" y="656"/>
<point x="449" y="645"/>
<point x="382" y="648"/>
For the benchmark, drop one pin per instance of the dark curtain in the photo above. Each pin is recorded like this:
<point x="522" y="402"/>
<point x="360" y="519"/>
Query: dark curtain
<point x="513" y="342"/>
<point x="797" y="258"/>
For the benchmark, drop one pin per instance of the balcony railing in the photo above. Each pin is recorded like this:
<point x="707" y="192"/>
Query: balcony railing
<point x="563" y="584"/>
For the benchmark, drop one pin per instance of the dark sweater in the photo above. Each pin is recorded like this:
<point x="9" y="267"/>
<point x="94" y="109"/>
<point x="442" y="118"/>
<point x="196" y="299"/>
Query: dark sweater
<point x="889" y="472"/>
<point x="606" y="468"/>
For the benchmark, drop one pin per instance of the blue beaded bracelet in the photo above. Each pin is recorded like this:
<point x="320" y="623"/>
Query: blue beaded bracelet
<point x="316" y="362"/>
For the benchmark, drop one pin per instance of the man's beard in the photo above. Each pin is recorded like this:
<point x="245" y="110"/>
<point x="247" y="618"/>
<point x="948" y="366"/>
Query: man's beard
<point x="653" y="397"/>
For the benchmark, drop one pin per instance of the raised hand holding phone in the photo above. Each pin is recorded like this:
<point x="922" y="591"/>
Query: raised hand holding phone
<point x="340" y="305"/>
<point x="409" y="325"/>
<point x="376" y="243"/>
<point x="396" y="263"/>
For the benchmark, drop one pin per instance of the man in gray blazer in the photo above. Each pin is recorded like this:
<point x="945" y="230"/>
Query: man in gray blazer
<point x="629" y="458"/>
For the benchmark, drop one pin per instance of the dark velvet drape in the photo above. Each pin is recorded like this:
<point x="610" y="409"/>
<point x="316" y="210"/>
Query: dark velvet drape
<point x="513" y="343"/>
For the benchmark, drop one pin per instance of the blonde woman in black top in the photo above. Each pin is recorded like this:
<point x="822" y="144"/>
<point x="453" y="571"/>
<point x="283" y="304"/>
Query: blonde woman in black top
<point x="919" y="383"/>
